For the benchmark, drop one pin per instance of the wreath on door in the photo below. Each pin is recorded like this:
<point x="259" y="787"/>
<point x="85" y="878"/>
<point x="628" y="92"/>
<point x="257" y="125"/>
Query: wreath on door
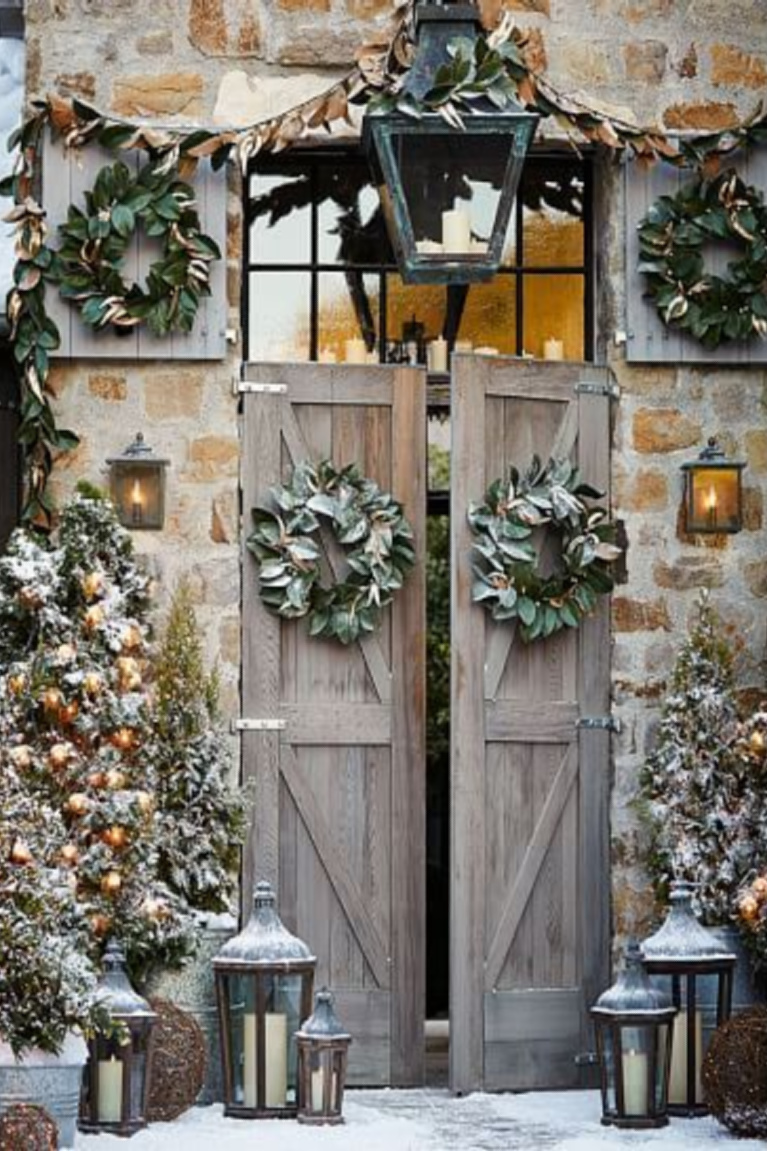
<point x="370" y="528"/>
<point x="511" y="579"/>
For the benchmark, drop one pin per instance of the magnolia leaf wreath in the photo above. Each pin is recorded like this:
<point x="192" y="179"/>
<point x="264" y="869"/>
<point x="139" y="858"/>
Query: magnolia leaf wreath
<point x="369" y="526"/>
<point x="510" y="578"/>
<point x="88" y="265"/>
<point x="672" y="236"/>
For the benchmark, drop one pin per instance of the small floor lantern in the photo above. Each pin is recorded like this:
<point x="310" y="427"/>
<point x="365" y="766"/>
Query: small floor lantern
<point x="137" y="484"/>
<point x="116" y="1078"/>
<point x="323" y="1052"/>
<point x="264" y="985"/>
<point x="713" y="492"/>
<point x="632" y="1021"/>
<point x="446" y="190"/>
<point x="691" y="965"/>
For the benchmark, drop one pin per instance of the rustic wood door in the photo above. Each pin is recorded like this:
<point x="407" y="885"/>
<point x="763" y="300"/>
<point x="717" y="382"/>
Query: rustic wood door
<point x="529" y="834"/>
<point x="338" y="769"/>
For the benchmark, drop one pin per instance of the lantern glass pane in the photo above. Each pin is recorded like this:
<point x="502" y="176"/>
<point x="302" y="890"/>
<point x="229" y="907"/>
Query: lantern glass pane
<point x="554" y="317"/>
<point x="137" y="492"/>
<point x="348" y="311"/>
<point x="714" y="503"/>
<point x="284" y="1003"/>
<point x="636" y="1048"/>
<point x="659" y="1087"/>
<point x="241" y="998"/>
<point x="608" y="1058"/>
<point x="137" y="1079"/>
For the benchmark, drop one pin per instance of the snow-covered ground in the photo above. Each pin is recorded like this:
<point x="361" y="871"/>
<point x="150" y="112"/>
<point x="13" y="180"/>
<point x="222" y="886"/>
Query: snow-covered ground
<point x="429" y="1120"/>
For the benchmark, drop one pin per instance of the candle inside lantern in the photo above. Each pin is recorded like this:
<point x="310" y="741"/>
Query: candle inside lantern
<point x="677" y="1086"/>
<point x="110" y="1090"/>
<point x="276" y="1053"/>
<point x="710" y="505"/>
<point x="634" y="1064"/>
<point x="327" y="356"/>
<point x="436" y="355"/>
<point x="428" y="248"/>
<point x="553" y="350"/>
<point x="137" y="502"/>
<point x="456" y="230"/>
<point x="355" y="351"/>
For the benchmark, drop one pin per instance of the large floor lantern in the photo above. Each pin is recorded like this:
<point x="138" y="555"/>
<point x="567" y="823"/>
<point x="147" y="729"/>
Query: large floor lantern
<point x="264" y="985"/>
<point x="696" y="970"/>
<point x="117" y="1073"/>
<point x="632" y="1021"/>
<point x="447" y="191"/>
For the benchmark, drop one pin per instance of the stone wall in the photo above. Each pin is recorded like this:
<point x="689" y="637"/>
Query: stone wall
<point x="681" y="63"/>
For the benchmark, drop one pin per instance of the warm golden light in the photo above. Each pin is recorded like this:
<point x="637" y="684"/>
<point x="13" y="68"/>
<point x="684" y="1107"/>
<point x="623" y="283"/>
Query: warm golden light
<point x="709" y="503"/>
<point x="137" y="502"/>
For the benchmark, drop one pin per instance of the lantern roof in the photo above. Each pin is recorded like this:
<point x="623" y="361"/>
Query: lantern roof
<point x="264" y="941"/>
<point x="712" y="456"/>
<point x="138" y="452"/>
<point x="632" y="993"/>
<point x="681" y="937"/>
<point x="115" y="991"/>
<point x="323" y="1023"/>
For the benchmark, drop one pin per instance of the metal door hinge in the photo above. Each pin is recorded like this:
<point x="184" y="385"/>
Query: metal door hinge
<point x="598" y="723"/>
<point x="597" y="388"/>
<point x="586" y="1059"/>
<point x="258" y="725"/>
<point x="245" y="387"/>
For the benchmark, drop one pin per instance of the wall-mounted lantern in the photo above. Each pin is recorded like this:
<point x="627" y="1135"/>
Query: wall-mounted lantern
<point x="632" y="1021"/>
<point x="264" y="984"/>
<point x="323" y="1052"/>
<point x="116" y="1078"/>
<point x="446" y="192"/>
<point x="690" y="964"/>
<point x="137" y="484"/>
<point x="713" y="492"/>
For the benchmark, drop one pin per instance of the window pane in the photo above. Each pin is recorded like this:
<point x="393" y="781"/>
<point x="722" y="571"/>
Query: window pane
<point x="489" y="318"/>
<point x="408" y="304"/>
<point x="553" y="311"/>
<point x="351" y="228"/>
<point x="11" y="95"/>
<point x="281" y="214"/>
<point x="348" y="310"/>
<point x="553" y="216"/>
<point x="280" y="304"/>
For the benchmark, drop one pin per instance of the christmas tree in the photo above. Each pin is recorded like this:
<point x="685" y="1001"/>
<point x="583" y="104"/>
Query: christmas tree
<point x="75" y="718"/>
<point x="697" y="792"/>
<point x="201" y="818"/>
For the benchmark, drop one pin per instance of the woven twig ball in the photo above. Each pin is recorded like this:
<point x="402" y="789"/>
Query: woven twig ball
<point x="735" y="1073"/>
<point x="27" y="1126"/>
<point x="178" y="1062"/>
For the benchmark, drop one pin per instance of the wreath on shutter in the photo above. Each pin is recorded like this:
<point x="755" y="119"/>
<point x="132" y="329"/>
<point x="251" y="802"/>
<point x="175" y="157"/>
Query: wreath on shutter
<point x="510" y="579"/>
<point x="94" y="243"/>
<point x="367" y="523"/>
<point x="712" y="308"/>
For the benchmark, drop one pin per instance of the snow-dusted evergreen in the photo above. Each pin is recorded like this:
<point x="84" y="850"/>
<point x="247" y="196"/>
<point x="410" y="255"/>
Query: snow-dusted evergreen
<point x="201" y="818"/>
<point x="700" y="796"/>
<point x="75" y="721"/>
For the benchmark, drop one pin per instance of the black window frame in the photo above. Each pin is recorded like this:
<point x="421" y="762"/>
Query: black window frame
<point x="313" y="157"/>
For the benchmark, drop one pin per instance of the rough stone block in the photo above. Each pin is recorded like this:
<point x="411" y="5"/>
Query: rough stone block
<point x="645" y="60"/>
<point x="707" y="116"/>
<point x="108" y="387"/>
<point x="755" y="574"/>
<point x="167" y="94"/>
<point x="646" y="491"/>
<point x="691" y="571"/>
<point x="756" y="449"/>
<point x="159" y="43"/>
<point x="753" y="509"/>
<point x="175" y="395"/>
<point x="224" y="519"/>
<point x="640" y="615"/>
<point x="664" y="430"/>
<point x="213" y="458"/>
<point x="732" y="67"/>
<point x="81" y="84"/>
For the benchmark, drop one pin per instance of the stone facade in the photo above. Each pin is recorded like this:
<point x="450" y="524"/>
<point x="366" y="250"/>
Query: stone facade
<point x="686" y="64"/>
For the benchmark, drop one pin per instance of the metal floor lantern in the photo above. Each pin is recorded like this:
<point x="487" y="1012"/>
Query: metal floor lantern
<point x="632" y="1021"/>
<point x="446" y="192"/>
<point x="691" y="965"/>
<point x="323" y="1051"/>
<point x="116" y="1078"/>
<point x="264" y="985"/>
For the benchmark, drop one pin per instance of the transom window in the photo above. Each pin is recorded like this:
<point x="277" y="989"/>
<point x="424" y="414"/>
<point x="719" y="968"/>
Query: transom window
<point x="321" y="272"/>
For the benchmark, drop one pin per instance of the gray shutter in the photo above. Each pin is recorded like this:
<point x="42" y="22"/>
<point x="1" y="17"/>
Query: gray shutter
<point x="66" y="178"/>
<point x="649" y="340"/>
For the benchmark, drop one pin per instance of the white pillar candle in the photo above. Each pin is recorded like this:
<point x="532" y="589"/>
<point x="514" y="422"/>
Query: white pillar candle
<point x="276" y="1051"/>
<point x="355" y="351"/>
<point x="456" y="230"/>
<point x="479" y="247"/>
<point x="553" y="350"/>
<point x="437" y="355"/>
<point x="327" y="356"/>
<point x="318" y="1086"/>
<point x="428" y="247"/>
<point x="110" y="1090"/>
<point x="677" y="1084"/>
<point x="463" y="346"/>
<point x="634" y="1064"/>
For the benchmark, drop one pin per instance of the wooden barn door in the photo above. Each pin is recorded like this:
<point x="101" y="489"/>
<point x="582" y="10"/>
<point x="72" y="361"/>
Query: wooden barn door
<point x="530" y="883"/>
<point x="333" y="737"/>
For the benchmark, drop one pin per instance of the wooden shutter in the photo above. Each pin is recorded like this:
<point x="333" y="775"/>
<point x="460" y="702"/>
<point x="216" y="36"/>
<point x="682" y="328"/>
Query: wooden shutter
<point x="66" y="178"/>
<point x="530" y="862"/>
<point x="648" y="339"/>
<point x="338" y="823"/>
<point x="10" y="461"/>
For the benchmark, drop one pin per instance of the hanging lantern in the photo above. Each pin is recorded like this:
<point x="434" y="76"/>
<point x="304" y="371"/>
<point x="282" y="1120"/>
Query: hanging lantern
<point x="137" y="483"/>
<point x="323" y="1052"/>
<point x="713" y="492"/>
<point x="690" y="964"/>
<point x="632" y="1021"/>
<point x="116" y="1077"/>
<point x="446" y="192"/>
<point x="264" y="984"/>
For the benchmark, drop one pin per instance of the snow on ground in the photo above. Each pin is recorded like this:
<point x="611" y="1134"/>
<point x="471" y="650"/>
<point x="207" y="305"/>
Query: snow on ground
<point x="429" y="1120"/>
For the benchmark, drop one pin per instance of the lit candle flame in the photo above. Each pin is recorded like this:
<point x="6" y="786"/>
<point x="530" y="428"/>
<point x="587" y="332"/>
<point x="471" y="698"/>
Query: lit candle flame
<point x="136" y="496"/>
<point x="710" y="501"/>
<point x="137" y="502"/>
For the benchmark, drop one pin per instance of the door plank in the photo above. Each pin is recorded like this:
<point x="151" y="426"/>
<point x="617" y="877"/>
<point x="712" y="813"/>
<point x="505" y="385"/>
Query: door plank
<point x="523" y="722"/>
<point x="344" y="724"/>
<point x="531" y="865"/>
